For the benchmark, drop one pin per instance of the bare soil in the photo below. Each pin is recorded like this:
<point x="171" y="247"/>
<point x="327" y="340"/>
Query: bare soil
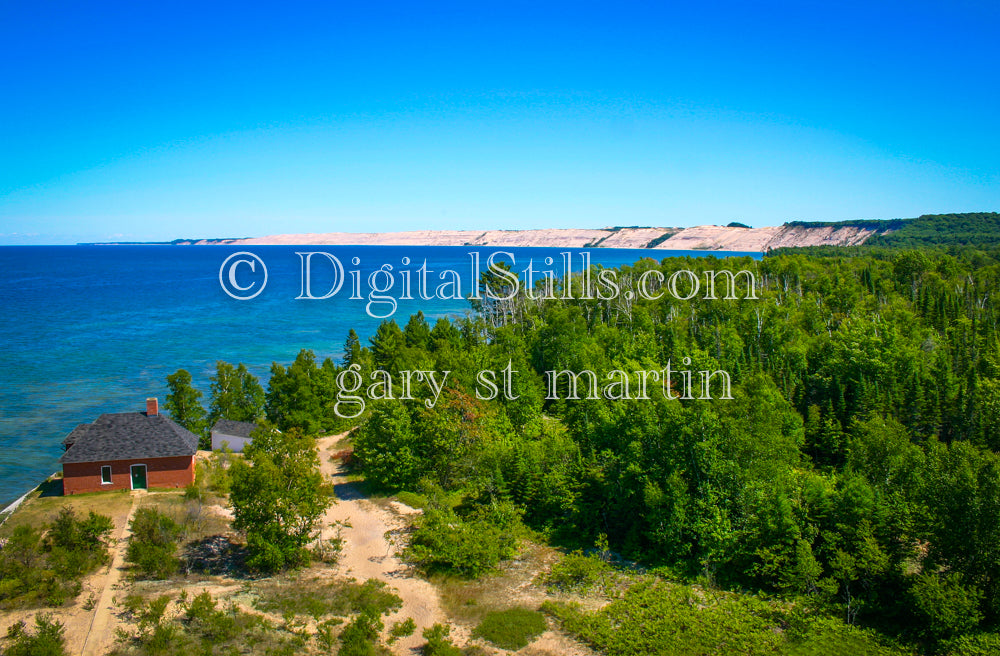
<point x="372" y="542"/>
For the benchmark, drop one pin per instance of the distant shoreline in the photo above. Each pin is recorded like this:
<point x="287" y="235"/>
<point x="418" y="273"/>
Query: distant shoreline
<point x="706" y="237"/>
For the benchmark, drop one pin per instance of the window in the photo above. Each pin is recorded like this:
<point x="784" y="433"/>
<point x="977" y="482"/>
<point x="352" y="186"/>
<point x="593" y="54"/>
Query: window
<point x="106" y="475"/>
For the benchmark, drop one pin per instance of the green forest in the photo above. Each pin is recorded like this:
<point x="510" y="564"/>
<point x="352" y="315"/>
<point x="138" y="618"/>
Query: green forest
<point x="853" y="478"/>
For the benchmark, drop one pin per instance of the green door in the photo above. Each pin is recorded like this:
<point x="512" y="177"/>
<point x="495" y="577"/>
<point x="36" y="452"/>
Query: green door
<point x="138" y="477"/>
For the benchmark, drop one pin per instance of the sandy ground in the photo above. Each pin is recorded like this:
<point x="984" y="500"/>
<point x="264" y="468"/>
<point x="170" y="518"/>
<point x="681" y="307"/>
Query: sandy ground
<point x="706" y="237"/>
<point x="371" y="548"/>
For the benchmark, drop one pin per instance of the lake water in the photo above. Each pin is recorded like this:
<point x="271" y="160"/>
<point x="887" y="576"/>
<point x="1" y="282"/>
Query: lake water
<point x="92" y="329"/>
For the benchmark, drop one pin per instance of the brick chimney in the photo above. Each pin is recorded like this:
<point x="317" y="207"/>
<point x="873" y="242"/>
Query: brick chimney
<point x="152" y="407"/>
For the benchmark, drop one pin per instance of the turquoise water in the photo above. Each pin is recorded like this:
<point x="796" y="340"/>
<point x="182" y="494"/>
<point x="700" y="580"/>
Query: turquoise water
<point x="92" y="329"/>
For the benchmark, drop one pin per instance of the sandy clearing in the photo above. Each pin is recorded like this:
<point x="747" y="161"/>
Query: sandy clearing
<point x="370" y="535"/>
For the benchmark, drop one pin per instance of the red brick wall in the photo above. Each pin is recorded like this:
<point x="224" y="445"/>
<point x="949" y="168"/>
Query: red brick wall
<point x="160" y="472"/>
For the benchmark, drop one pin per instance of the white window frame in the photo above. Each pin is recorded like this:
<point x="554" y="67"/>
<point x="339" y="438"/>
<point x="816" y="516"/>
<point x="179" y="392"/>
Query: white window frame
<point x="110" y="480"/>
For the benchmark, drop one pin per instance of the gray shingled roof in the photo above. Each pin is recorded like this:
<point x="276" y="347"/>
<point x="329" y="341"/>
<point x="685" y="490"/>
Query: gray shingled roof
<point x="129" y="436"/>
<point x="75" y="434"/>
<point x="235" y="428"/>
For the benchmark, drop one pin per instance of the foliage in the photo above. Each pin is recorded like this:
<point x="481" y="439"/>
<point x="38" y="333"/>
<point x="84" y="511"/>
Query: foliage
<point x="438" y="643"/>
<point x="152" y="548"/>
<point x="402" y="443"/>
<point x="577" y="572"/>
<point x="511" y="629"/>
<point x="48" y="638"/>
<point x="659" y="618"/>
<point x="972" y="644"/>
<point x="236" y="394"/>
<point x="184" y="406"/>
<point x="200" y="627"/>
<point x="278" y="495"/>
<point x="944" y="605"/>
<point x="360" y="636"/>
<point x="401" y="629"/>
<point x="980" y="229"/>
<point x="45" y="567"/>
<point x="303" y="394"/>
<point x="213" y="473"/>
<point x="855" y="469"/>
<point x="465" y="546"/>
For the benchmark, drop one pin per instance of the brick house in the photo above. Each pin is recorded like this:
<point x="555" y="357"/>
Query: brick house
<point x="128" y="451"/>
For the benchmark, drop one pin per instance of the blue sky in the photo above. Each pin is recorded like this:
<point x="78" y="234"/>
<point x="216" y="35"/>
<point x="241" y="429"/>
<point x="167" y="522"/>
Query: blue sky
<point x="128" y="121"/>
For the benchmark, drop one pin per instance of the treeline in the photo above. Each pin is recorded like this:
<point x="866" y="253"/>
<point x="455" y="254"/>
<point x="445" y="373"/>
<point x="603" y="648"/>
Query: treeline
<point x="948" y="232"/>
<point x="977" y="229"/>
<point x="856" y="468"/>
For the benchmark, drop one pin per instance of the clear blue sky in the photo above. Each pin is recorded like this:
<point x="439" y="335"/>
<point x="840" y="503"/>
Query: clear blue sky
<point x="155" y="121"/>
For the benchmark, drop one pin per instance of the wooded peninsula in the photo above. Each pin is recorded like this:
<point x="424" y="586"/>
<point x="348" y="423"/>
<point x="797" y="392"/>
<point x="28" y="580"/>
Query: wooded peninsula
<point x="846" y="500"/>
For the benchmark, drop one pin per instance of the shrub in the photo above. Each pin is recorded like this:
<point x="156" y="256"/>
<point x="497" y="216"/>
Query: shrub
<point x="278" y="496"/>
<point x="212" y="624"/>
<point x="511" y="629"/>
<point x="48" y="571"/>
<point x="47" y="640"/>
<point x="577" y="572"/>
<point x="328" y="551"/>
<point x="402" y="629"/>
<point x="153" y="545"/>
<point x="360" y="637"/>
<point x="438" y="643"/>
<point x="656" y="618"/>
<point x="194" y="492"/>
<point x="468" y="547"/>
<point x="201" y="628"/>
<point x="215" y="472"/>
<point x="325" y="635"/>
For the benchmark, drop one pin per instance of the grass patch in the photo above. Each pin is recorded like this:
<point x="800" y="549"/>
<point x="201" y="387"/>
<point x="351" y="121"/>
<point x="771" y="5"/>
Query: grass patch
<point x="412" y="499"/>
<point x="194" y="515"/>
<point x="163" y="627"/>
<point x="402" y="629"/>
<point x="468" y="601"/>
<point x="39" y="509"/>
<point x="420" y="501"/>
<point x="654" y="617"/>
<point x="316" y="598"/>
<point x="513" y="629"/>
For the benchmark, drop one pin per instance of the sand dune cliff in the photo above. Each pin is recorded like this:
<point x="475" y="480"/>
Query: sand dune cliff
<point x="708" y="237"/>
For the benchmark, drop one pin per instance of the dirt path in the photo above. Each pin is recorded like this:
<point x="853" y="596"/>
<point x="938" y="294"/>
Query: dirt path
<point x="101" y="631"/>
<point x="369" y="553"/>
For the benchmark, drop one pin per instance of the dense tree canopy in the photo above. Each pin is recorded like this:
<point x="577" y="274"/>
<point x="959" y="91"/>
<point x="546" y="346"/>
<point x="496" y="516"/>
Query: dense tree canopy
<point x="855" y="467"/>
